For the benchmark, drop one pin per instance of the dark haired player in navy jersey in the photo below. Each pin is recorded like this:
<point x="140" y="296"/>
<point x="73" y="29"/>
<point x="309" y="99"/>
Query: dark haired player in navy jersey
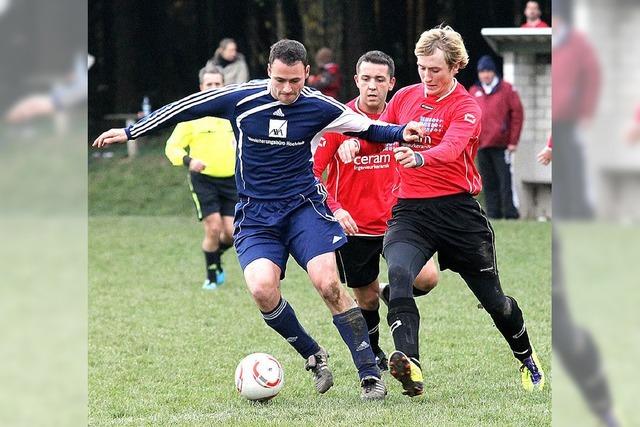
<point x="282" y="210"/>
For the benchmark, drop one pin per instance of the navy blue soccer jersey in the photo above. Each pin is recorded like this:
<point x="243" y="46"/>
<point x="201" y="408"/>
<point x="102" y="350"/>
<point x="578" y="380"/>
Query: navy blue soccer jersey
<point x="275" y="140"/>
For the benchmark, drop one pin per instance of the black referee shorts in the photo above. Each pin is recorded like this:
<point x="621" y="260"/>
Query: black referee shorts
<point x="359" y="260"/>
<point x="213" y="195"/>
<point x="455" y="226"/>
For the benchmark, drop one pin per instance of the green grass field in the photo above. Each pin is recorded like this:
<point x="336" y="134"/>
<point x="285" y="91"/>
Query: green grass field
<point x="164" y="352"/>
<point x="601" y="279"/>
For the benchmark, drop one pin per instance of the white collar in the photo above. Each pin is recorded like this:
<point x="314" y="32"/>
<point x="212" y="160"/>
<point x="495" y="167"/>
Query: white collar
<point x="453" y="87"/>
<point x="365" y="114"/>
<point x="489" y="88"/>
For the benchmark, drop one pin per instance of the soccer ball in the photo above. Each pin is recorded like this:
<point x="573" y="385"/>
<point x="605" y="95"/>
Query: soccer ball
<point x="259" y="376"/>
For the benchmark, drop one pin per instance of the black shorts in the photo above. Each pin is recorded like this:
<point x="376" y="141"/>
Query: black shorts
<point x="213" y="195"/>
<point x="455" y="226"/>
<point x="359" y="260"/>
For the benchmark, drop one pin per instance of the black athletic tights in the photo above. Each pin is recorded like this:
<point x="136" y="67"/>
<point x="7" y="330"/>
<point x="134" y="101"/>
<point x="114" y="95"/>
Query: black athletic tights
<point x="575" y="345"/>
<point x="405" y="262"/>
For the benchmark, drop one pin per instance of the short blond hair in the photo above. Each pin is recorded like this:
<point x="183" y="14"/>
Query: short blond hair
<point x="448" y="41"/>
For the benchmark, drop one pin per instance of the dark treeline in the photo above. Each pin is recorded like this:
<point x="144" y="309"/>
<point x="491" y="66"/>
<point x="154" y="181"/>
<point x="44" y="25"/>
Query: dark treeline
<point x="156" y="47"/>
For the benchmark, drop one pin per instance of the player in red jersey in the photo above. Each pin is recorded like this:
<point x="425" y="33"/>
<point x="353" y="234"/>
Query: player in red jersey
<point x="360" y="196"/>
<point x="436" y="210"/>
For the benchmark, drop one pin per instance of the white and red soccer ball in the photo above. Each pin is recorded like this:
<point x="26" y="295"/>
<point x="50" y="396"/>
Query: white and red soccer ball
<point x="259" y="376"/>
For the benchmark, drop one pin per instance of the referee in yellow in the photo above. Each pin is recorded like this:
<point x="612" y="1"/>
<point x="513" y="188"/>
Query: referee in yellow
<point x="211" y="161"/>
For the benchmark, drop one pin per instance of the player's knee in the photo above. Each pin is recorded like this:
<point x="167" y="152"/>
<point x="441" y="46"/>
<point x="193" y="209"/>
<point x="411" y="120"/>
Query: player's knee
<point x="503" y="307"/>
<point x="427" y="279"/>
<point x="263" y="293"/>
<point x="329" y="289"/>
<point x="213" y="226"/>
<point x="578" y="348"/>
<point x="227" y="235"/>
<point x="367" y="297"/>
<point x="433" y="276"/>
<point x="262" y="287"/>
<point x="399" y="275"/>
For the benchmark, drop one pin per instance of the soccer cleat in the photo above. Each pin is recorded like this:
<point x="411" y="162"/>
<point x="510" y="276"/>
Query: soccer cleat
<point x="220" y="277"/>
<point x="322" y="376"/>
<point x="407" y="372"/>
<point x="609" y="419"/>
<point x="384" y="293"/>
<point x="531" y="373"/>
<point x="208" y="285"/>
<point x="373" y="388"/>
<point x="381" y="361"/>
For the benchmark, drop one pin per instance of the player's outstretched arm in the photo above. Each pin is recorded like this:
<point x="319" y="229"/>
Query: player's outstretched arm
<point x="30" y="107"/>
<point x="112" y="136"/>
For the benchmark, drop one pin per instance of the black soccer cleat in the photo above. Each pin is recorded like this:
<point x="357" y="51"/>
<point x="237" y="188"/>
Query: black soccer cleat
<point x="407" y="372"/>
<point x="373" y="388"/>
<point x="322" y="376"/>
<point x="381" y="361"/>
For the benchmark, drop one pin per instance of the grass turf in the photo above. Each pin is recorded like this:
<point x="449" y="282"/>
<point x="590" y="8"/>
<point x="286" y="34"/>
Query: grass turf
<point x="163" y="352"/>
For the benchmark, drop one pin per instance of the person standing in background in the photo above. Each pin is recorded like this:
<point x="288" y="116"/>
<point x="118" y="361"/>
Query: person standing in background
<point x="502" y="116"/>
<point x="329" y="79"/>
<point x="532" y="14"/>
<point x="234" y="66"/>
<point x="211" y="162"/>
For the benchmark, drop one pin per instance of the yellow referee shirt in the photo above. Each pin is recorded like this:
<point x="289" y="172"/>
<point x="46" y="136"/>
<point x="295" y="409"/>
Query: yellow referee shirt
<point x="209" y="139"/>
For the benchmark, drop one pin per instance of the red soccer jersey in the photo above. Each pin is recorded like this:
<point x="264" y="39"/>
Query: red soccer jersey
<point x="453" y="126"/>
<point x="575" y="73"/>
<point x="363" y="187"/>
<point x="539" y="24"/>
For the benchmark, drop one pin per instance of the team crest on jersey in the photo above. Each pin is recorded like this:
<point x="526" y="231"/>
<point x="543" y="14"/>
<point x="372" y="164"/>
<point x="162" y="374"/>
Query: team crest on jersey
<point x="468" y="117"/>
<point x="277" y="128"/>
<point x="432" y="124"/>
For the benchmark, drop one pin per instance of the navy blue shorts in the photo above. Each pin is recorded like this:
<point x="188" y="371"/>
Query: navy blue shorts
<point x="302" y="226"/>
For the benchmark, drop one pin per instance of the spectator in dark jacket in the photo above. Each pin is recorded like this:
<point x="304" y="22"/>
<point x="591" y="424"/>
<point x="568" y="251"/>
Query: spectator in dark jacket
<point x="502" y="117"/>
